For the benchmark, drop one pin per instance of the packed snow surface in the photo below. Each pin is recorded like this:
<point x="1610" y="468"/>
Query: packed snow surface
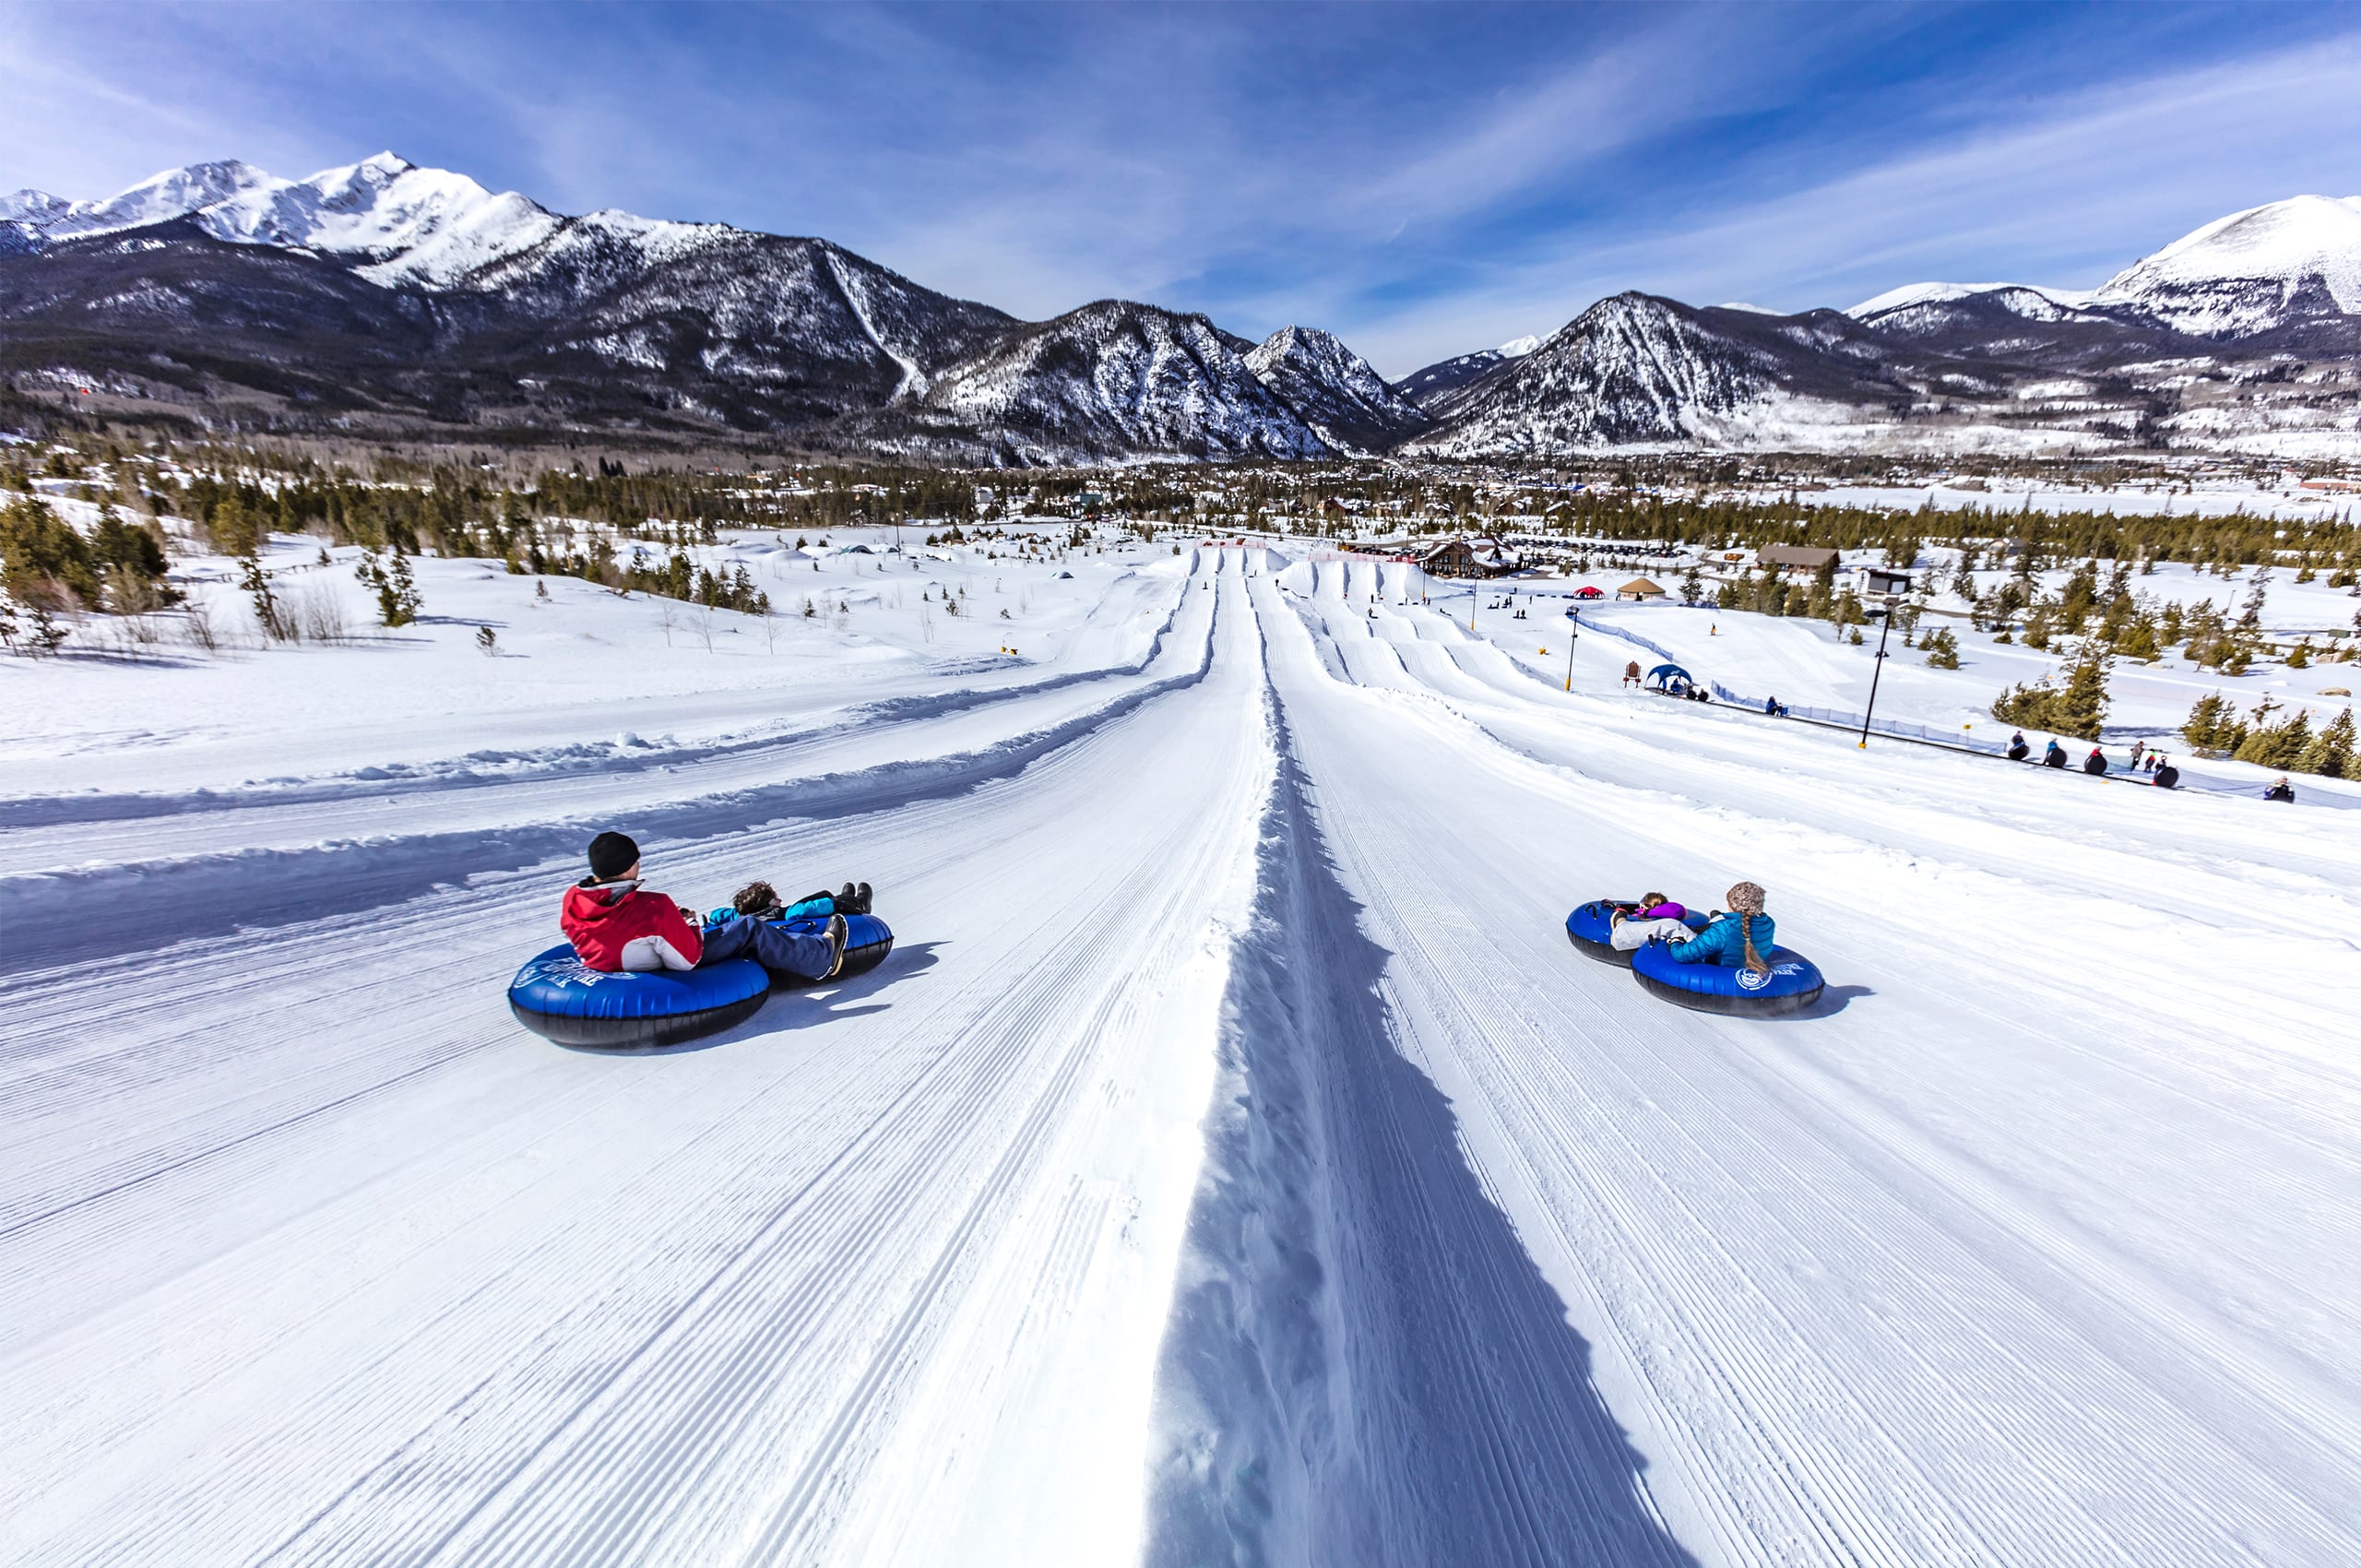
<point x="1232" y="1163"/>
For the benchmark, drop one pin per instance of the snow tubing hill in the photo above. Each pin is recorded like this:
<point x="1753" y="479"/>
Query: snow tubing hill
<point x="1794" y="983"/>
<point x="867" y="941"/>
<point x="559" y="997"/>
<point x="1591" y="926"/>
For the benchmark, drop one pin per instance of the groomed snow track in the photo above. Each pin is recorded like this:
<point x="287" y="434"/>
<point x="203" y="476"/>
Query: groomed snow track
<point x="1230" y="1165"/>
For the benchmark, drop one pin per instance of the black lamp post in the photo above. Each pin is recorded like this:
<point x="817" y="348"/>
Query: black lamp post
<point x="1892" y="602"/>
<point x="1574" y="630"/>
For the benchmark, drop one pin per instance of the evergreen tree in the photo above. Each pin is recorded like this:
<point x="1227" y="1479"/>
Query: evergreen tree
<point x="2202" y="728"/>
<point x="234" y="530"/>
<point x="1820" y="603"/>
<point x="2081" y="593"/>
<point x="275" y="623"/>
<point x="2138" y="640"/>
<point x="1943" y="649"/>
<point x="44" y="561"/>
<point x="46" y="636"/>
<point x="2250" y="613"/>
<point x="2081" y="708"/>
<point x="2329" y="753"/>
<point x="2277" y="746"/>
<point x="398" y="601"/>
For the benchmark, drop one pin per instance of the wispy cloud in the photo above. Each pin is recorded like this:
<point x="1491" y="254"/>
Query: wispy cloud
<point x="2064" y="190"/>
<point x="1422" y="180"/>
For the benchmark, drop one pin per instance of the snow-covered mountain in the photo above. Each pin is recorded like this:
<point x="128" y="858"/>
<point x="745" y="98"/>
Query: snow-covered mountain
<point x="2284" y="265"/>
<point x="400" y="222"/>
<point x="1334" y="389"/>
<point x="1914" y="305"/>
<point x="1637" y="369"/>
<point x="1114" y="379"/>
<point x="1437" y="388"/>
<point x="385" y="296"/>
<point x="383" y="287"/>
<point x="2269" y="267"/>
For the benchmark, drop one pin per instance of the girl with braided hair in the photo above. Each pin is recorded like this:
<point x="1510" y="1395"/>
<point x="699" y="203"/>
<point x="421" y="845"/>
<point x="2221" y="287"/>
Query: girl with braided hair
<point x="1735" y="940"/>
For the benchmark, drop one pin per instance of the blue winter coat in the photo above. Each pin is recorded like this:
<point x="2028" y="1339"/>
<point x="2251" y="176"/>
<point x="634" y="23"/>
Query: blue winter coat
<point x="1722" y="942"/>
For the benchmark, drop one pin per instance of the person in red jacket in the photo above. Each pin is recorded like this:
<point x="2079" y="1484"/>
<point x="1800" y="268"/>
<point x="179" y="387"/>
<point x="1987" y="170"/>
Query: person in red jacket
<point x="614" y="925"/>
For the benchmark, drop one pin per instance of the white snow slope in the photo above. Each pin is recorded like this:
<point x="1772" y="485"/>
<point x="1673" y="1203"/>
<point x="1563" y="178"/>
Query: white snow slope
<point x="2241" y="273"/>
<point x="415" y="225"/>
<point x="1232" y="1163"/>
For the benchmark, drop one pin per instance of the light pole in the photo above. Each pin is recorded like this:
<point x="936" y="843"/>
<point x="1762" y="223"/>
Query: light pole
<point x="1574" y="630"/>
<point x="1892" y="602"/>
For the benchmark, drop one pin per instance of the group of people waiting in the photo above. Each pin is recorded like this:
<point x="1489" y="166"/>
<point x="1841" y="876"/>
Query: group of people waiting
<point x="2155" y="765"/>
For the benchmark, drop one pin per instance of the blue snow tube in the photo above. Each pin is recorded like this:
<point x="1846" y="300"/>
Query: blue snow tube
<point x="1591" y="925"/>
<point x="559" y="997"/>
<point x="1793" y="984"/>
<point x="867" y="941"/>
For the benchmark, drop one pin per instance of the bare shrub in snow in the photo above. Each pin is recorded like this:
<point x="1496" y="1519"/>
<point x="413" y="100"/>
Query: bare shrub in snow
<point x="318" y="613"/>
<point x="198" y="629"/>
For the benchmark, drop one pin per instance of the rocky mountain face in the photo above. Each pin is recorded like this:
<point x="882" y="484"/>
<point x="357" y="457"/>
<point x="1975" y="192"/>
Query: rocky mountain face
<point x="382" y="297"/>
<point x="1334" y="390"/>
<point x="1440" y="388"/>
<point x="1111" y="381"/>
<point x="2244" y="336"/>
<point x="1637" y="369"/>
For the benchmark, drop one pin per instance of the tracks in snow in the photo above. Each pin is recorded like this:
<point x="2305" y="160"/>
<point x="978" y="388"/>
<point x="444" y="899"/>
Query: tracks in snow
<point x="1483" y="1255"/>
<point x="1901" y="1284"/>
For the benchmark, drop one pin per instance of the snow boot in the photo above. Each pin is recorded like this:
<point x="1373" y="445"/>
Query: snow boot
<point x="838" y="933"/>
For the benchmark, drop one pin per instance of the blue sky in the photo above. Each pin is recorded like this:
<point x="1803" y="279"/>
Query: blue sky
<point x="1422" y="181"/>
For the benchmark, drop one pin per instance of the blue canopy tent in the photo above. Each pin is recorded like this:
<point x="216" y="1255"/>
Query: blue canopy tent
<point x="1671" y="678"/>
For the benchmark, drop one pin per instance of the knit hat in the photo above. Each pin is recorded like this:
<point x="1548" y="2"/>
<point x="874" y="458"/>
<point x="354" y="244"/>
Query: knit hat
<point x="611" y="854"/>
<point x="1746" y="898"/>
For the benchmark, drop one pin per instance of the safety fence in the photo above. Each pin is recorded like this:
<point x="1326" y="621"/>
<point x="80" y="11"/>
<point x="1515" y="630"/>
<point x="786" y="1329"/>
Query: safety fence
<point x="1959" y="739"/>
<point x="1658" y="648"/>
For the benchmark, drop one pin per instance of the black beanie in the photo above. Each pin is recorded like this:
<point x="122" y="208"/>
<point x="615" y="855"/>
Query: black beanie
<point x="611" y="854"/>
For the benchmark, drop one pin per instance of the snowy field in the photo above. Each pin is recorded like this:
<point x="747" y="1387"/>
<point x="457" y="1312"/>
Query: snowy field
<point x="1231" y="1164"/>
<point x="1808" y="663"/>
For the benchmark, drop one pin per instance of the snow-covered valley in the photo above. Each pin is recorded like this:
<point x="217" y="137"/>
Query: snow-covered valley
<point x="1231" y="1163"/>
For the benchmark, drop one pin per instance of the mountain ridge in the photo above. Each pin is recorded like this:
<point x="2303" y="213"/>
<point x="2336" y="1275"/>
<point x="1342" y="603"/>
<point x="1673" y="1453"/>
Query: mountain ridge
<point x="382" y="296"/>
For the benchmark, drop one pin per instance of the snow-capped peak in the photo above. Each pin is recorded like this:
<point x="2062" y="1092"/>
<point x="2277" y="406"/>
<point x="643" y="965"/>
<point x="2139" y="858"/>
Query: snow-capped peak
<point x="36" y="207"/>
<point x="1944" y="293"/>
<point x="175" y="193"/>
<point x="2243" y="272"/>
<point x="409" y="224"/>
<point x="406" y="223"/>
<point x="1332" y="389"/>
<point x="1517" y="348"/>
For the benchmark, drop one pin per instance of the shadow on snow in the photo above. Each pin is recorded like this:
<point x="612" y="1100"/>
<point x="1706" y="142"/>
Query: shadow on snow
<point x="1363" y="1366"/>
